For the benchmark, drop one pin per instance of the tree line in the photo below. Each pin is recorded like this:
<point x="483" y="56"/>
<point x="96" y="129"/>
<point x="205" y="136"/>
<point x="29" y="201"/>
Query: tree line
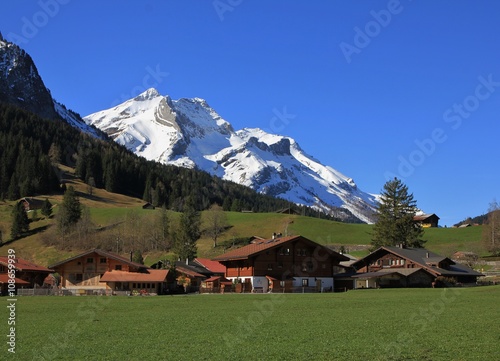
<point x="30" y="146"/>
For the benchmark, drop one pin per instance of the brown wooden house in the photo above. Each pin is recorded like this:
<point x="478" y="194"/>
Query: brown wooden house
<point x="98" y="271"/>
<point x="281" y="264"/>
<point x="27" y="274"/>
<point x="30" y="204"/>
<point x="409" y="267"/>
<point x="427" y="220"/>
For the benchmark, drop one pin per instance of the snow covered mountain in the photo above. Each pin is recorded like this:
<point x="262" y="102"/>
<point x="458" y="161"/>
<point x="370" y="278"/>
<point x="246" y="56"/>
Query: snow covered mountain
<point x="21" y="85"/>
<point x="189" y="133"/>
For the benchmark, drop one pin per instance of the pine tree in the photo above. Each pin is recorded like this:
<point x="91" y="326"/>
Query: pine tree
<point x="188" y="233"/>
<point x="20" y="221"/>
<point x="395" y="213"/>
<point x="46" y="208"/>
<point x="70" y="211"/>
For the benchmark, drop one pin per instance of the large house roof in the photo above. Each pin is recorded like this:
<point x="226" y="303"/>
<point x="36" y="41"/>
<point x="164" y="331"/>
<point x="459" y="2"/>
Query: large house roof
<point x="24" y="265"/>
<point x="152" y="275"/>
<point x="102" y="253"/>
<point x="255" y="248"/>
<point x="424" y="258"/>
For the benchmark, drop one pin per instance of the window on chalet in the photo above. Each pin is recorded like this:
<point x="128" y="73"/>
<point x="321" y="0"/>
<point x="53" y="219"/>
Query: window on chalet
<point x="282" y="284"/>
<point x="305" y="282"/>
<point x="102" y="260"/>
<point x="287" y="251"/>
<point x="402" y="262"/>
<point x="90" y="260"/>
<point x="78" y="277"/>
<point x="118" y="267"/>
<point x="281" y="252"/>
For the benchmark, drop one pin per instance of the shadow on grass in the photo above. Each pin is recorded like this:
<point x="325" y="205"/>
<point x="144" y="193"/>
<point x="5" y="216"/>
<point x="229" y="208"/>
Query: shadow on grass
<point x="27" y="234"/>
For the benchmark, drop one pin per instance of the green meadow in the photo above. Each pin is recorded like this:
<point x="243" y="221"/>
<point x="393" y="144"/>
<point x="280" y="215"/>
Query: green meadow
<point x="384" y="324"/>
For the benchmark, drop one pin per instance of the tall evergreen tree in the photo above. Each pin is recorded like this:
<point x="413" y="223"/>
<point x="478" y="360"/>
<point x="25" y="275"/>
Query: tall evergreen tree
<point x="395" y="213"/>
<point x="47" y="208"/>
<point x="20" y="221"/>
<point x="70" y="210"/>
<point x="188" y="233"/>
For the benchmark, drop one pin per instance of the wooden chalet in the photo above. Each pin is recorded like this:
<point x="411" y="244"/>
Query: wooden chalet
<point x="30" y="204"/>
<point x="409" y="267"/>
<point x="281" y="264"/>
<point x="27" y="274"/>
<point x="427" y="220"/>
<point x="102" y="272"/>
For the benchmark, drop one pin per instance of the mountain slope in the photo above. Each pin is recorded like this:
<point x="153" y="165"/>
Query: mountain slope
<point x="22" y="86"/>
<point x="189" y="133"/>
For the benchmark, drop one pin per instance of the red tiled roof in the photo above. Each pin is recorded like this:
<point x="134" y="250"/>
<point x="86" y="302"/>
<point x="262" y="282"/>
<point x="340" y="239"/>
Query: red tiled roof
<point x="4" y="278"/>
<point x="24" y="265"/>
<point x="252" y="249"/>
<point x="211" y="279"/>
<point x="153" y="275"/>
<point x="212" y="266"/>
<point x="223" y="280"/>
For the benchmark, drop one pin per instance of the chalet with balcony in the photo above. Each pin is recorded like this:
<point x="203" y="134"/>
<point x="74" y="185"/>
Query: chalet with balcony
<point x="409" y="267"/>
<point x="281" y="264"/>
<point x="102" y="272"/>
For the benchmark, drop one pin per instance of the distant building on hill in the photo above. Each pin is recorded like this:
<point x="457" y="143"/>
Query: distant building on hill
<point x="427" y="220"/>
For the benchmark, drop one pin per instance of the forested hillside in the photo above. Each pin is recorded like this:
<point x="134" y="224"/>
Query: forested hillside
<point x="30" y="146"/>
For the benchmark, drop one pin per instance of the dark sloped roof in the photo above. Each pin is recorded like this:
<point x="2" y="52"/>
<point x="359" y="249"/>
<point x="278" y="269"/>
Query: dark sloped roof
<point x="423" y="258"/>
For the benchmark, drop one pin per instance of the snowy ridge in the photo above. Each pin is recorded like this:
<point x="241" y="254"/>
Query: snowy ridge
<point x="189" y="133"/>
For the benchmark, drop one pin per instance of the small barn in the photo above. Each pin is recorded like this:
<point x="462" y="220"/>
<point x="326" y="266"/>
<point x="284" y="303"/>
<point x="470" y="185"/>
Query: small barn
<point x="427" y="220"/>
<point x="31" y="204"/>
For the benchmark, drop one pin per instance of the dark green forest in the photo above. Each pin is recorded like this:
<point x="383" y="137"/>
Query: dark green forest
<point x="30" y="147"/>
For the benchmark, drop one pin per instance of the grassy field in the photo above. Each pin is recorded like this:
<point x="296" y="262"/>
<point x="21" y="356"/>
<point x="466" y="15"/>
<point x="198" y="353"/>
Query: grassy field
<point x="385" y="324"/>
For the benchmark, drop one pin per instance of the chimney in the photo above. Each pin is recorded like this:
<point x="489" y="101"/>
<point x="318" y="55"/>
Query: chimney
<point x="131" y="256"/>
<point x="426" y="254"/>
<point x="274" y="235"/>
<point x="187" y="261"/>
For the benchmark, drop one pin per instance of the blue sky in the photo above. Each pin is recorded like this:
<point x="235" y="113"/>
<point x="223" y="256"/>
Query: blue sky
<point x="375" y="89"/>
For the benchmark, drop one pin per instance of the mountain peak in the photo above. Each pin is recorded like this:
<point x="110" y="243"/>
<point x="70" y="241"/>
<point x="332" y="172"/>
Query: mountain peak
<point x="149" y="94"/>
<point x="189" y="133"/>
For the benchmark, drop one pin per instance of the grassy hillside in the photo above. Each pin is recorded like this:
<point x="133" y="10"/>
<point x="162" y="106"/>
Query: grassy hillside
<point x="109" y="208"/>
